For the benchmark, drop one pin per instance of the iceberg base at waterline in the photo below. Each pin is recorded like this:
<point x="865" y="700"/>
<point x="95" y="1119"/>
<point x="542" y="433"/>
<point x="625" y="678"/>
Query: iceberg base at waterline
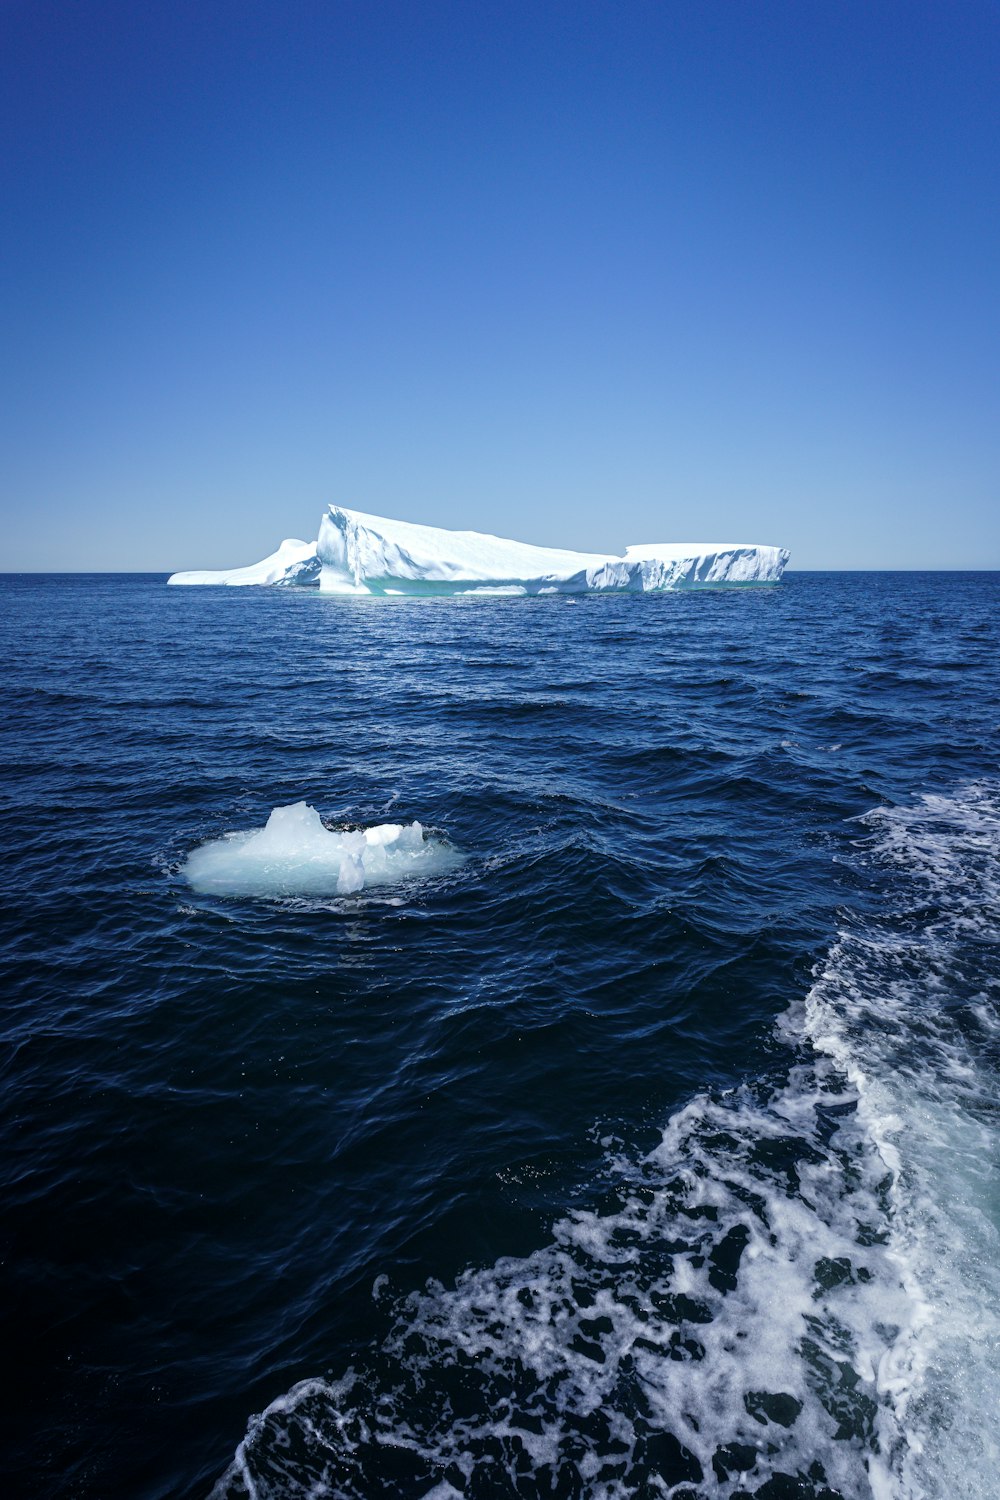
<point x="359" y="554"/>
<point x="295" y="854"/>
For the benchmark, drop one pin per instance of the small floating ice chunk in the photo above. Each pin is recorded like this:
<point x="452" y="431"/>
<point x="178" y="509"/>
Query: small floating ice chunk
<point x="296" y="855"/>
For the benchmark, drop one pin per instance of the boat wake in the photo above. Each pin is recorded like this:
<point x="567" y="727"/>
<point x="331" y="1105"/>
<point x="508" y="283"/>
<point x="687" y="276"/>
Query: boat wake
<point x="796" y="1293"/>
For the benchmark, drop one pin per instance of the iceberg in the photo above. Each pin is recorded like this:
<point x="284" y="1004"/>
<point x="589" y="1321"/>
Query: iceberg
<point x="294" y="562"/>
<point x="295" y="854"/>
<point x="357" y="553"/>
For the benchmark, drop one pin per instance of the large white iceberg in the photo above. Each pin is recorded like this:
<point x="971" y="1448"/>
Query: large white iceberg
<point x="357" y="553"/>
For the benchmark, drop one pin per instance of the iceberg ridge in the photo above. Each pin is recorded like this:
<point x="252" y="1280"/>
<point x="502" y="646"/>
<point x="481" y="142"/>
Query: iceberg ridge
<point x="357" y="553"/>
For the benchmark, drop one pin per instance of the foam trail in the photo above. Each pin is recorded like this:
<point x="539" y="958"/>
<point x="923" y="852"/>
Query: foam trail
<point x="797" y="1293"/>
<point x="295" y="854"/>
<point x="908" y="1011"/>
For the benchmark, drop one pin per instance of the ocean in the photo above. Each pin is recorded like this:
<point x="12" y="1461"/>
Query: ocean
<point x="646" y="1144"/>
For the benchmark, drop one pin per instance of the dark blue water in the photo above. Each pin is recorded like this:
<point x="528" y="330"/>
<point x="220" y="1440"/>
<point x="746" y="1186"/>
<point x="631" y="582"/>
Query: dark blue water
<point x="652" y="1150"/>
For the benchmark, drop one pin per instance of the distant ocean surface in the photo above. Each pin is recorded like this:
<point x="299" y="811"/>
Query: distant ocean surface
<point x="649" y="1149"/>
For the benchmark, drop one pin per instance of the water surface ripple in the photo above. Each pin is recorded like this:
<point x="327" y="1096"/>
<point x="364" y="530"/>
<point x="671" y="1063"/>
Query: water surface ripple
<point x="662" y="1128"/>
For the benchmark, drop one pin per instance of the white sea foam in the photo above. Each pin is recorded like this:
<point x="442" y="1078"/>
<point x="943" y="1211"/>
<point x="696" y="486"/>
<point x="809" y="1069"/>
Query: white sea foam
<point x="909" y="1013"/>
<point x="295" y="854"/>
<point x="800" y="1285"/>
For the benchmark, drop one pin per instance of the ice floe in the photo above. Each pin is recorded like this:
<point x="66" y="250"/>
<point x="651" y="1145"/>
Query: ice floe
<point x="295" y="854"/>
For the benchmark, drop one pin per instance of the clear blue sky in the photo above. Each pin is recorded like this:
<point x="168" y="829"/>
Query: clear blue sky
<point x="581" y="273"/>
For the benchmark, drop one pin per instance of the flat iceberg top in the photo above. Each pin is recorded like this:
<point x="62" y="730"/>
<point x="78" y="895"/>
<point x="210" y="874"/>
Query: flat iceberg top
<point x="672" y="551"/>
<point x="359" y="553"/>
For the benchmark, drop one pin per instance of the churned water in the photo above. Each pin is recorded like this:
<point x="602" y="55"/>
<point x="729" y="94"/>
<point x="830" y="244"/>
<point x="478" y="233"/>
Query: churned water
<point x="596" y="1095"/>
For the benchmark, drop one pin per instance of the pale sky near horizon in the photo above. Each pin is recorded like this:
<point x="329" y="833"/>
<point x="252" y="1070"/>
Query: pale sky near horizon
<point x="585" y="274"/>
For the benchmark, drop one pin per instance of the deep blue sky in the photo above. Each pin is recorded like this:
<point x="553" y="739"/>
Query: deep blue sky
<point x="582" y="273"/>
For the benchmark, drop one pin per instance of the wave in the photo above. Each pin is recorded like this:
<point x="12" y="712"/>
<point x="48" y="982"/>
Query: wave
<point x="796" y="1293"/>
